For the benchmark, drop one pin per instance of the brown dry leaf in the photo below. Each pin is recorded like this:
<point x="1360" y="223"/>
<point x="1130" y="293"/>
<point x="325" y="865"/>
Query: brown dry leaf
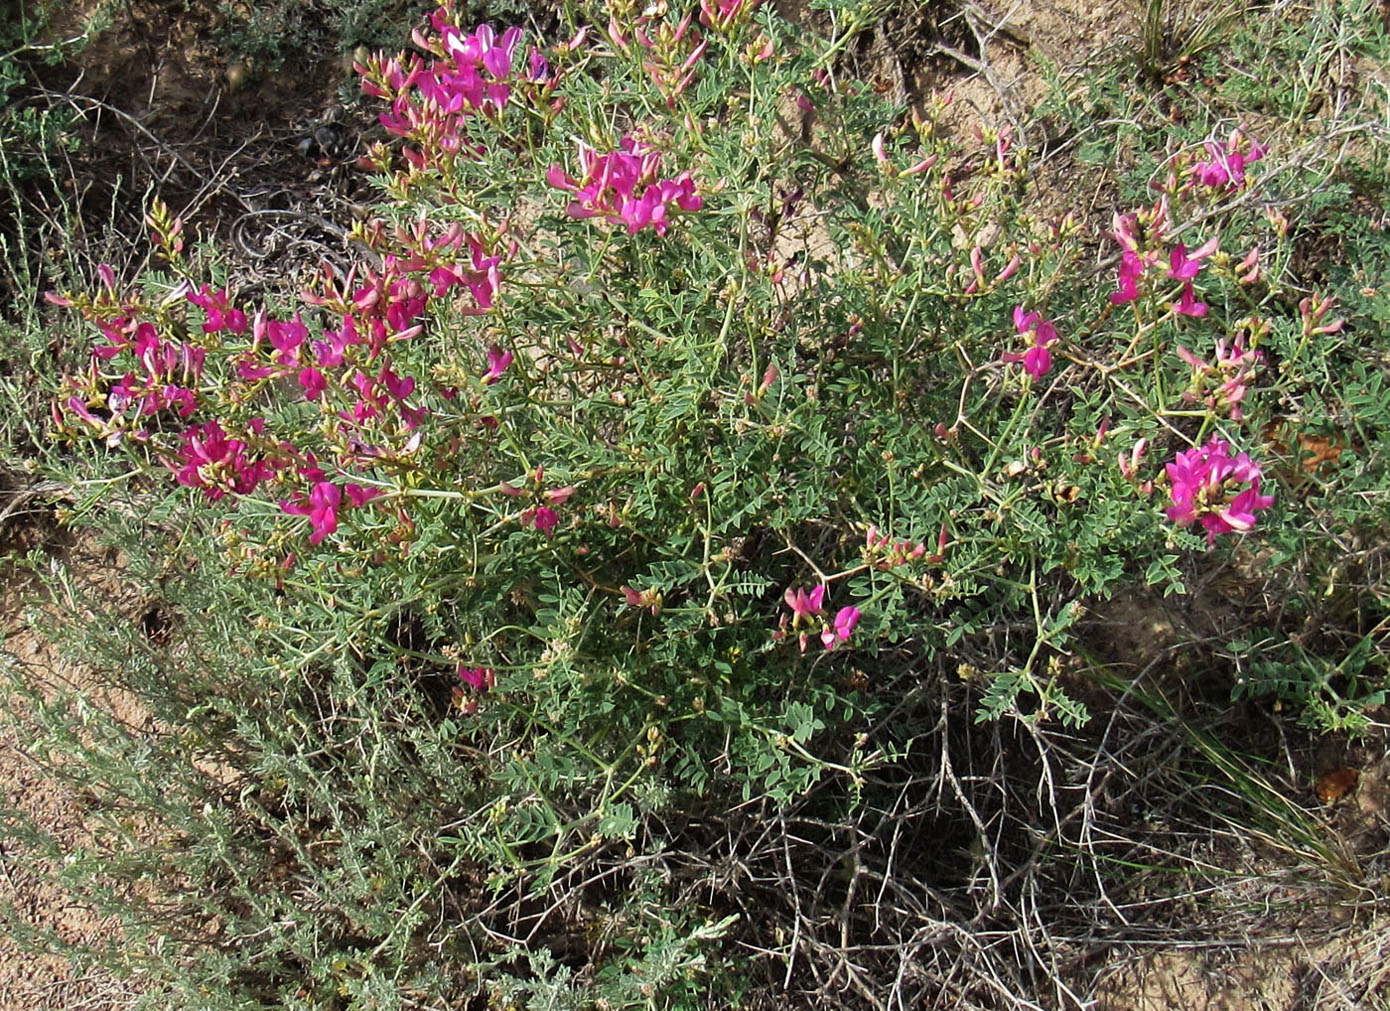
<point x="1334" y="785"/>
<point x="1316" y="453"/>
<point x="1315" y="450"/>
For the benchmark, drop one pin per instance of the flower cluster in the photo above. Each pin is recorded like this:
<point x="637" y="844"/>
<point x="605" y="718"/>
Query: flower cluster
<point x="209" y="460"/>
<point x="626" y="187"/>
<point x="1142" y="236"/>
<point x="1313" y="310"/>
<point x="432" y="102"/>
<point x="1129" y="466"/>
<point x="808" y="607"/>
<point x="222" y="315"/>
<point x="1225" y="166"/>
<point x="885" y="162"/>
<point x="649" y="599"/>
<point x="162" y="373"/>
<point x="1215" y="489"/>
<point x="345" y="367"/>
<point x="541" y="513"/>
<point x="1184" y="268"/>
<point x="672" y="52"/>
<point x="1139" y="233"/>
<point x="723" y="15"/>
<point x="473" y="683"/>
<point x="1222" y="385"/>
<point x="1041" y="334"/>
<point x="883" y="552"/>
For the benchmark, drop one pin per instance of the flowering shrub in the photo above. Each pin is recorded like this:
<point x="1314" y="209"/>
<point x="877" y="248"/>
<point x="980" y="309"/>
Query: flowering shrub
<point x="673" y="450"/>
<point x="415" y="407"/>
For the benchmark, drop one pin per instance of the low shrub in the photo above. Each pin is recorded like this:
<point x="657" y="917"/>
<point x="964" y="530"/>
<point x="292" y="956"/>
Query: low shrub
<point x="689" y="417"/>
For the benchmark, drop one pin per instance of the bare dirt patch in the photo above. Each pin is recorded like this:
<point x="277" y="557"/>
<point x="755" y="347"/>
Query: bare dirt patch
<point x="260" y="158"/>
<point x="32" y="981"/>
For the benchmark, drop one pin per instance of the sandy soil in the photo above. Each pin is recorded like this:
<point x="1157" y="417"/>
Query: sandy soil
<point x="28" y="981"/>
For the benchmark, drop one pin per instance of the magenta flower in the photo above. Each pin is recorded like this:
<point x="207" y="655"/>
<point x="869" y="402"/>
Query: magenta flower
<point x="474" y="682"/>
<point x="625" y="187"/>
<point x="1131" y="269"/>
<point x="1211" y="487"/>
<point x="883" y="552"/>
<point x="497" y="362"/>
<point x="211" y="461"/>
<point x="649" y="598"/>
<point x="845" y="621"/>
<point x="322" y="509"/>
<point x="221" y="315"/>
<point x="313" y="381"/>
<point x="1188" y="305"/>
<point x="359" y="495"/>
<point x="1184" y="268"/>
<point x="1225" y="167"/>
<point x="805" y="605"/>
<point x="482" y="276"/>
<point x="1231" y="375"/>
<point x="480" y="679"/>
<point x="541" y="516"/>
<point x="431" y="102"/>
<point x="1041" y="334"/>
<point x="721" y="15"/>
<point x="546" y="519"/>
<point x="1141" y="235"/>
<point x="808" y="608"/>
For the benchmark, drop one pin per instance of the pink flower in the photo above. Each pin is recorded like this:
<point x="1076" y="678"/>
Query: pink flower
<point x="1232" y="374"/>
<point x="808" y="608"/>
<point x="625" y="186"/>
<point x="1184" y="268"/>
<point x="221" y="315"/>
<point x="1313" y="310"/>
<point x="360" y="496"/>
<point x="845" y="620"/>
<point x="805" y="605"/>
<point x="722" y="14"/>
<point x="1131" y="269"/>
<point x="1188" y="304"/>
<point x="477" y="681"/>
<point x="211" y="461"/>
<point x="1041" y="334"/>
<point x="1225" y="167"/>
<point x="546" y="519"/>
<point x="649" y="598"/>
<point x="1129" y="465"/>
<point x="313" y="382"/>
<point x="1207" y="488"/>
<point x="480" y="679"/>
<point x="497" y="362"/>
<point x="1037" y="361"/>
<point x="322" y="509"/>
<point x="1141" y="235"/>
<point x="883" y="552"/>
